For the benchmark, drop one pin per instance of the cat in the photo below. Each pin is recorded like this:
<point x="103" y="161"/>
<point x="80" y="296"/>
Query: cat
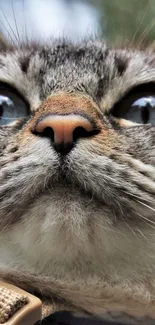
<point x="77" y="174"/>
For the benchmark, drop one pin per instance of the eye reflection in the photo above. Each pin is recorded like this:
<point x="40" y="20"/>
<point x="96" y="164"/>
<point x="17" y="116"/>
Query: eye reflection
<point x="5" y="103"/>
<point x="145" y="101"/>
<point x="145" y="104"/>
<point x="12" y="106"/>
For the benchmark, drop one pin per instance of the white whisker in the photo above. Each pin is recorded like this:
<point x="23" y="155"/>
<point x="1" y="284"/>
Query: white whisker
<point x="15" y="21"/>
<point x="137" y="197"/>
<point x="140" y="24"/>
<point x="149" y="207"/>
<point x="12" y="40"/>
<point x="142" y="234"/>
<point x="9" y="24"/>
<point x="145" y="33"/>
<point x="130" y="229"/>
<point x="146" y="219"/>
<point x="108" y="229"/>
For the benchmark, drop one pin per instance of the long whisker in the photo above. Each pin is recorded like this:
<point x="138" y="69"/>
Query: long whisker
<point x="15" y="21"/>
<point x="25" y="26"/>
<point x="9" y="25"/>
<point x="141" y="21"/>
<point x="137" y="197"/>
<point x="145" y="33"/>
<point x="146" y="205"/>
<point x="146" y="219"/>
<point x="142" y="234"/>
<point x="12" y="40"/>
<point x="130" y="229"/>
<point x="106" y="228"/>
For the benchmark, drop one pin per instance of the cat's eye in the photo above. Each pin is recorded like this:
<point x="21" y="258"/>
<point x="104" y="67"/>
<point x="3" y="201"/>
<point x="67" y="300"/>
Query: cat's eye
<point x="138" y="106"/>
<point x="12" y="105"/>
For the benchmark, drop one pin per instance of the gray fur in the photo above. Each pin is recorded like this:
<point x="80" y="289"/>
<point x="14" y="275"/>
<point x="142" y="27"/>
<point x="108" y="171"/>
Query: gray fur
<point x="91" y="217"/>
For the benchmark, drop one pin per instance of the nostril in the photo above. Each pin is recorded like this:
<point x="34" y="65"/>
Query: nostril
<point x="64" y="130"/>
<point x="80" y="132"/>
<point x="47" y="132"/>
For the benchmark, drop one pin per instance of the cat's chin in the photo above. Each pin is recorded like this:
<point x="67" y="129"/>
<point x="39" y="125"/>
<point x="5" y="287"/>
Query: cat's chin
<point x="67" y="186"/>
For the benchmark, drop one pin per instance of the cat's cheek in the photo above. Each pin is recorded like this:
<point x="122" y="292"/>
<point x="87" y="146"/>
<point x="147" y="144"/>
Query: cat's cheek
<point x="104" y="144"/>
<point x="26" y="139"/>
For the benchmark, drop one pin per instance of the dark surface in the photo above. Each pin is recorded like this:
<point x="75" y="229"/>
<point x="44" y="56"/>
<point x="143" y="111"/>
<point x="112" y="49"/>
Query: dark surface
<point x="66" y="318"/>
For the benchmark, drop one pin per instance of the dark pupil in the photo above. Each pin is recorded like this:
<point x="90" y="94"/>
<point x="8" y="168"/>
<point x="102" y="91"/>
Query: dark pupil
<point x="145" y="105"/>
<point x="145" y="113"/>
<point x="1" y="110"/>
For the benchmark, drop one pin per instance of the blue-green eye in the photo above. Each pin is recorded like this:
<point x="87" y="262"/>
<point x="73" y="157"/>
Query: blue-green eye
<point x="12" y="105"/>
<point x="143" y="110"/>
<point x="140" y="110"/>
<point x="138" y="105"/>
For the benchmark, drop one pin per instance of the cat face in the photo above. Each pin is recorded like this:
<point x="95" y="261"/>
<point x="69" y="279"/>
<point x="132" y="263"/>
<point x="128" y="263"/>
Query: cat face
<point x="90" y="205"/>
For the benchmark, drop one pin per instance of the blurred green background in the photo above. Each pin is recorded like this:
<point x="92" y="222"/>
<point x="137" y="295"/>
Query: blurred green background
<point x="127" y="20"/>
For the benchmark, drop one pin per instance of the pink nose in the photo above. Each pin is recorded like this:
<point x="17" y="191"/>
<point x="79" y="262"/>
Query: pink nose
<point x="64" y="130"/>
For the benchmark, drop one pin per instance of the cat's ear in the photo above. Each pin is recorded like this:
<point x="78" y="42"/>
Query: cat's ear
<point x="5" y="45"/>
